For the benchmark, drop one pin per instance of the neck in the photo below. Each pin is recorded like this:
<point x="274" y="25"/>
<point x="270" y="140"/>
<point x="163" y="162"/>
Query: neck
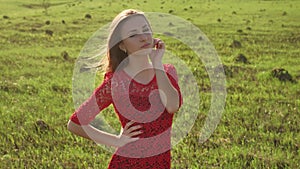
<point x="138" y="63"/>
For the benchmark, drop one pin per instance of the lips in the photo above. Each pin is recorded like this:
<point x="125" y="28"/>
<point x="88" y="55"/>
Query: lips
<point x="146" y="45"/>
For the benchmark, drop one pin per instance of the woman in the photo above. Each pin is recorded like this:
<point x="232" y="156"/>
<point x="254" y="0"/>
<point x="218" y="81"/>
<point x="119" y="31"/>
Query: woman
<point x="144" y="93"/>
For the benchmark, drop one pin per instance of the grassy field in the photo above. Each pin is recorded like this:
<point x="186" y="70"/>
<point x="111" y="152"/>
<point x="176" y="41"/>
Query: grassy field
<point x="41" y="40"/>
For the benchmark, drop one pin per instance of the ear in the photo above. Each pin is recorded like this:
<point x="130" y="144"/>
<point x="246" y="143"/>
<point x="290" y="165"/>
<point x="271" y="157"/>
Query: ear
<point x="122" y="46"/>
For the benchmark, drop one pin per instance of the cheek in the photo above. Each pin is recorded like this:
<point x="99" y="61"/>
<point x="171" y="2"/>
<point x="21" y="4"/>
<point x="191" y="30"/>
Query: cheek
<point x="131" y="44"/>
<point x="127" y="43"/>
<point x="150" y="36"/>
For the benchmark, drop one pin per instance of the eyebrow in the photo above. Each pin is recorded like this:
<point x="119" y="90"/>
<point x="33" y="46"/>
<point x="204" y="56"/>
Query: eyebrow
<point x="135" y="30"/>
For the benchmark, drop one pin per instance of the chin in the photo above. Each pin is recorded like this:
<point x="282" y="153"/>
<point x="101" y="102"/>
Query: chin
<point x="142" y="52"/>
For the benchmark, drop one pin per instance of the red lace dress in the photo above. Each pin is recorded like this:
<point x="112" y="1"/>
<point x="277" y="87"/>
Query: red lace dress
<point x="140" y="103"/>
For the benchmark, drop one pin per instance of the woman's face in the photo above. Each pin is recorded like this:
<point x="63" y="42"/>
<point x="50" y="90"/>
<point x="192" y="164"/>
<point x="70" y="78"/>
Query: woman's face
<point x="137" y="36"/>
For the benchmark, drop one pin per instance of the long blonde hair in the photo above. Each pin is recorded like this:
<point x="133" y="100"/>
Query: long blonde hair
<point x="114" y="54"/>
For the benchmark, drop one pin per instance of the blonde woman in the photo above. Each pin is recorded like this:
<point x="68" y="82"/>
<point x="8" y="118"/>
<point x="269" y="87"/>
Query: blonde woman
<point x="143" y="91"/>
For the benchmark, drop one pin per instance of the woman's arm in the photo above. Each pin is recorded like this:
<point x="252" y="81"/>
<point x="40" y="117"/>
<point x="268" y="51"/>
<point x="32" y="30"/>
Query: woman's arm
<point x="79" y="122"/>
<point x="168" y="94"/>
<point x="101" y="137"/>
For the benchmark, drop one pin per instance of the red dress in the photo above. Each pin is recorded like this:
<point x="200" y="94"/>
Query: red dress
<point x="140" y="103"/>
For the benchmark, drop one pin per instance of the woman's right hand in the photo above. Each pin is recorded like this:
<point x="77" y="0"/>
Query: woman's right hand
<point x="128" y="134"/>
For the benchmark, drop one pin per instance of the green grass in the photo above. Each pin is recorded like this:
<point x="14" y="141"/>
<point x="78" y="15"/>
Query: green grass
<point x="259" y="127"/>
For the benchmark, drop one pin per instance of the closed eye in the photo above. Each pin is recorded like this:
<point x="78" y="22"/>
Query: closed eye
<point x="131" y="36"/>
<point x="147" y="30"/>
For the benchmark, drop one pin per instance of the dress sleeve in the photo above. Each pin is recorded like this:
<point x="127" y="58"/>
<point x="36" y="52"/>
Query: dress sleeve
<point x="172" y="75"/>
<point x="100" y="99"/>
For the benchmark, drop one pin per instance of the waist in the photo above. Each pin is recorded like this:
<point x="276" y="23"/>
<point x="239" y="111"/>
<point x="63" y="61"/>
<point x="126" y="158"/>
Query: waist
<point x="147" y="147"/>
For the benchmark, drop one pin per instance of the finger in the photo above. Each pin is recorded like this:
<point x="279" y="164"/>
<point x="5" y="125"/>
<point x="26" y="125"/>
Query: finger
<point x="128" y="125"/>
<point x="160" y="45"/>
<point x="135" y="133"/>
<point x="134" y="139"/>
<point x="133" y="128"/>
<point x="155" y="42"/>
<point x="158" y="42"/>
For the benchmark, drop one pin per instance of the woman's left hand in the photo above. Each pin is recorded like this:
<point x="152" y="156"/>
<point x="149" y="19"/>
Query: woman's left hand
<point x="157" y="52"/>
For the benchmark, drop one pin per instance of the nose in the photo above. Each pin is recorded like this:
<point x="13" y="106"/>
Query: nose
<point x="143" y="37"/>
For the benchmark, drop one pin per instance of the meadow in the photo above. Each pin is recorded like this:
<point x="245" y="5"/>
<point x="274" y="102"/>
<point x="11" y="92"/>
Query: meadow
<point x="257" y="41"/>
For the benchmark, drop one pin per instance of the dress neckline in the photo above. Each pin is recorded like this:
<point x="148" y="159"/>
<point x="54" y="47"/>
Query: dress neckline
<point x="140" y="83"/>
